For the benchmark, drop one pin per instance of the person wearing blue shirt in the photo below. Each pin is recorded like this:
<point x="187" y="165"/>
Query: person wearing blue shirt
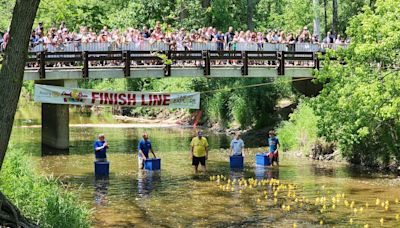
<point x="144" y="147"/>
<point x="273" y="143"/>
<point x="100" y="148"/>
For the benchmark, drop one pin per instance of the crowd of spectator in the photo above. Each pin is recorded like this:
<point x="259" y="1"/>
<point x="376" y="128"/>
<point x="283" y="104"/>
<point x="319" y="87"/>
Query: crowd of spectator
<point x="177" y="39"/>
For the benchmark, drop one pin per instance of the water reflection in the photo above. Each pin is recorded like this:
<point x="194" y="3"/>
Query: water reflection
<point x="262" y="172"/>
<point x="101" y="186"/>
<point x="323" y="170"/>
<point x="236" y="174"/>
<point x="50" y="151"/>
<point x="147" y="181"/>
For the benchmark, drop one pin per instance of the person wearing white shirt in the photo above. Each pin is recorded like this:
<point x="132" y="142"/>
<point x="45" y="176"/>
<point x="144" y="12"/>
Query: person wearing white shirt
<point x="237" y="146"/>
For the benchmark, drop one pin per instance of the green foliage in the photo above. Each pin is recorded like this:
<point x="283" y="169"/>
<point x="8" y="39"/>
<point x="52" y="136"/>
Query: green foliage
<point x="290" y="15"/>
<point x="235" y="102"/>
<point x="299" y="133"/>
<point x="360" y="103"/>
<point x="93" y="13"/>
<point x="118" y="84"/>
<point x="39" y="198"/>
<point x="5" y="14"/>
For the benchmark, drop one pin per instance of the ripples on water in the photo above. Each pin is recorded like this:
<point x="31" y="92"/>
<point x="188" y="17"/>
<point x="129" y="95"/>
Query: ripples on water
<point x="174" y="197"/>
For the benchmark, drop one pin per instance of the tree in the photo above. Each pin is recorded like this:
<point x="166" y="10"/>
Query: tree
<point x="11" y="77"/>
<point x="325" y="17"/>
<point x="360" y="102"/>
<point x="335" y="19"/>
<point x="250" y="13"/>
<point x="316" y="18"/>
<point x="5" y="14"/>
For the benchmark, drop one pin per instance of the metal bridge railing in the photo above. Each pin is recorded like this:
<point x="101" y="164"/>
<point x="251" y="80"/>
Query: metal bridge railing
<point x="195" y="46"/>
<point x="201" y="59"/>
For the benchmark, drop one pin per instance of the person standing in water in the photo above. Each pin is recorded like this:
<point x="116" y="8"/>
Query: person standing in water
<point x="237" y="146"/>
<point x="144" y="147"/>
<point x="273" y="143"/>
<point x="199" y="152"/>
<point x="100" y="148"/>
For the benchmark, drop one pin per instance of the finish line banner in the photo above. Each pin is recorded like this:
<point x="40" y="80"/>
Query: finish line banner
<point x="61" y="95"/>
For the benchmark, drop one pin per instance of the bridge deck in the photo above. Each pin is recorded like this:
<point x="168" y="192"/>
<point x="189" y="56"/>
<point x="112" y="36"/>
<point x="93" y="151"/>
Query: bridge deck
<point x="158" y="72"/>
<point x="139" y="64"/>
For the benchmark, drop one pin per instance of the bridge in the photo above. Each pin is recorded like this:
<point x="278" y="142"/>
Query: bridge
<point x="65" y="67"/>
<point x="74" y="61"/>
<point x="139" y="64"/>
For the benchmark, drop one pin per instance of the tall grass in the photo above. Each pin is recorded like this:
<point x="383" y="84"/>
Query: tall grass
<point x="299" y="133"/>
<point x="40" y="199"/>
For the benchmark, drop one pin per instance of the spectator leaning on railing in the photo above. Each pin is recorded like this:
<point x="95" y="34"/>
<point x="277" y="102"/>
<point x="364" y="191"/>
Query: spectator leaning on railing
<point x="6" y="39"/>
<point x="181" y="39"/>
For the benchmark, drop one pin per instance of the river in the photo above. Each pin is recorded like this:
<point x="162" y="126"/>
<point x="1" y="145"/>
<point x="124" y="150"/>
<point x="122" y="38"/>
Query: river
<point x="332" y="194"/>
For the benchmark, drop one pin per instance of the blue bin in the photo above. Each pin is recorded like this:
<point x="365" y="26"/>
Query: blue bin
<point x="263" y="159"/>
<point x="101" y="168"/>
<point x="236" y="162"/>
<point x="152" y="164"/>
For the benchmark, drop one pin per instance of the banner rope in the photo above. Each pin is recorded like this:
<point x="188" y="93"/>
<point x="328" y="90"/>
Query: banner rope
<point x="253" y="85"/>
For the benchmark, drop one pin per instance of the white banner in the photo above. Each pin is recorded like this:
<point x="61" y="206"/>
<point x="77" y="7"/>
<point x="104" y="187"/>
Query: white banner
<point x="74" y="96"/>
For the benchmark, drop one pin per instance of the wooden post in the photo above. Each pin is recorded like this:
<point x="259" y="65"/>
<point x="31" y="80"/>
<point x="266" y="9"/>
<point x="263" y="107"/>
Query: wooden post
<point x="42" y="64"/>
<point x="281" y="69"/>
<point x="167" y="69"/>
<point x="316" y="60"/>
<point x="85" y="64"/>
<point x="245" y="60"/>
<point x="127" y="59"/>
<point x="206" y="59"/>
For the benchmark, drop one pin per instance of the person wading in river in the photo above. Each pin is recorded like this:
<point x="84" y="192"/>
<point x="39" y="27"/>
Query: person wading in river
<point x="144" y="147"/>
<point x="237" y="145"/>
<point x="274" y="145"/>
<point x="100" y="148"/>
<point x="199" y="152"/>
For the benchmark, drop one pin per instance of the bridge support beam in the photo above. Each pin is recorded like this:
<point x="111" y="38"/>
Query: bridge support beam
<point x="55" y="122"/>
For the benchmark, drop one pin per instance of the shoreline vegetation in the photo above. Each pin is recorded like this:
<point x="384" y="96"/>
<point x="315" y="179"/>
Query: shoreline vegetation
<point x="43" y="200"/>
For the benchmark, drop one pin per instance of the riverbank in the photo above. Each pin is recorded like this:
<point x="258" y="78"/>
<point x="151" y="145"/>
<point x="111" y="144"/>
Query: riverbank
<point x="44" y="200"/>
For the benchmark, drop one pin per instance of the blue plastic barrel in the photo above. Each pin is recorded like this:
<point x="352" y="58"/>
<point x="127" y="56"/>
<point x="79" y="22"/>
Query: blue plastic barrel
<point x="102" y="168"/>
<point x="236" y="162"/>
<point x="263" y="159"/>
<point x="152" y="164"/>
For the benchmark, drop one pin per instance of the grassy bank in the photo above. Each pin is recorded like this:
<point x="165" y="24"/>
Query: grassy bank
<point x="40" y="199"/>
<point x="299" y="133"/>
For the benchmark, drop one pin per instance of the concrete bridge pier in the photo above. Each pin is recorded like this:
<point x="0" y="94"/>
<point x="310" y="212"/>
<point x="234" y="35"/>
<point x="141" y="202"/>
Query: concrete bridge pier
<point x="55" y="122"/>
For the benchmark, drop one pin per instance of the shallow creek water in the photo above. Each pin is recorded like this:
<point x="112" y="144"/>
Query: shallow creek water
<point x="318" y="193"/>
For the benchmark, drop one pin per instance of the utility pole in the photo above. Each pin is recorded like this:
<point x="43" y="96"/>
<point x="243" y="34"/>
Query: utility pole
<point x="317" y="31"/>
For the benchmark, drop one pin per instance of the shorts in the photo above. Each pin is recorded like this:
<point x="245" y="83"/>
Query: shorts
<point x="140" y="163"/>
<point x="274" y="156"/>
<point x="237" y="155"/>
<point x="197" y="160"/>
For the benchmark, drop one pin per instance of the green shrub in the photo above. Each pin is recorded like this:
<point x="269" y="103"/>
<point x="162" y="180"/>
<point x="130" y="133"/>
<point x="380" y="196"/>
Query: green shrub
<point x="299" y="133"/>
<point x="40" y="199"/>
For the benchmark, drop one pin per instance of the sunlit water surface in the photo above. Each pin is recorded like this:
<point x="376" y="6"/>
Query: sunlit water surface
<point x="174" y="197"/>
